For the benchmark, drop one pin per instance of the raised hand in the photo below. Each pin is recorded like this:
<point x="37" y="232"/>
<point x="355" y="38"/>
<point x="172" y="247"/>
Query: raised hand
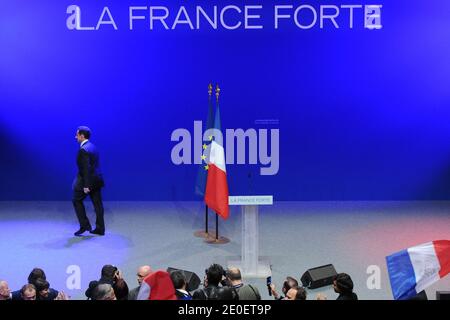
<point x="62" y="296"/>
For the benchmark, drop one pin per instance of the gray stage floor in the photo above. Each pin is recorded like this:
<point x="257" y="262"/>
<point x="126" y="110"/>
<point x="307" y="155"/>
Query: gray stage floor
<point x="295" y="236"/>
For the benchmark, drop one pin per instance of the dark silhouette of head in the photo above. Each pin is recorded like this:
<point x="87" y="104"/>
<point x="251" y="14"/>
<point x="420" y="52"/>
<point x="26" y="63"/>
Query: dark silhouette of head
<point x="42" y="287"/>
<point x="108" y="273"/>
<point x="36" y="273"/>
<point x="343" y="284"/>
<point x="214" y="274"/>
<point x="296" y="293"/>
<point x="82" y="134"/>
<point x="178" y="279"/>
<point x="288" y="284"/>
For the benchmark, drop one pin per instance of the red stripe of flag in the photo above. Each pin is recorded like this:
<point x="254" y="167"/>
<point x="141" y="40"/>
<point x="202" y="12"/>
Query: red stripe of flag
<point x="442" y="248"/>
<point x="216" y="195"/>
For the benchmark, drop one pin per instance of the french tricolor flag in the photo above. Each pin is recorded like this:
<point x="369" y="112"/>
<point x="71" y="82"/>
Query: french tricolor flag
<point x="414" y="269"/>
<point x="216" y="193"/>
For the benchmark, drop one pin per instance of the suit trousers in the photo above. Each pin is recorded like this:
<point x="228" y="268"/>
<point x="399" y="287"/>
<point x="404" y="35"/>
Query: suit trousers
<point x="96" y="198"/>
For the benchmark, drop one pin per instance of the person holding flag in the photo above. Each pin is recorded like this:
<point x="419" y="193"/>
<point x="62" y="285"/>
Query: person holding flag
<point x="414" y="269"/>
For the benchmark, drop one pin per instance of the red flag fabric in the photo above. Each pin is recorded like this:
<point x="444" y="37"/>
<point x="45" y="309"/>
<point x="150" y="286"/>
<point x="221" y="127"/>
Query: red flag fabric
<point x="157" y="286"/>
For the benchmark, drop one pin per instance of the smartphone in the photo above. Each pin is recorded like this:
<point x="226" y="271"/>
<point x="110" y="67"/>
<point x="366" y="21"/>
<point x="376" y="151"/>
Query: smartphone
<point x="269" y="282"/>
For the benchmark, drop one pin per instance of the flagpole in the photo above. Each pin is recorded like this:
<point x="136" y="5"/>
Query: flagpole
<point x="217" y="227"/>
<point x="217" y="216"/>
<point x="217" y="239"/>
<point x="200" y="233"/>
<point x="206" y="206"/>
<point x="206" y="220"/>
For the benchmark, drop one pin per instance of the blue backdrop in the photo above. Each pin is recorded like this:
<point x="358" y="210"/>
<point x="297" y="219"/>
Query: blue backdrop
<point x="363" y="115"/>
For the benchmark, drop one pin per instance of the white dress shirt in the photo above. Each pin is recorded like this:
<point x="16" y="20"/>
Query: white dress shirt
<point x="83" y="143"/>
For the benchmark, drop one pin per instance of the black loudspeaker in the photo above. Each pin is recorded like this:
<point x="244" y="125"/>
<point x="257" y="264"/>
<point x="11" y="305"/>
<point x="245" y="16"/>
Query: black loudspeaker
<point x="422" y="295"/>
<point x="192" y="279"/>
<point x="319" y="277"/>
<point x="442" y="295"/>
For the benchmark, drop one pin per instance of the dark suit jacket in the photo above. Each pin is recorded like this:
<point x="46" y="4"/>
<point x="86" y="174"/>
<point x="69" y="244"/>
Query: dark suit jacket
<point x="349" y="296"/>
<point x="133" y="294"/>
<point x="15" y="295"/>
<point x="183" y="296"/>
<point x="89" y="175"/>
<point x="215" y="293"/>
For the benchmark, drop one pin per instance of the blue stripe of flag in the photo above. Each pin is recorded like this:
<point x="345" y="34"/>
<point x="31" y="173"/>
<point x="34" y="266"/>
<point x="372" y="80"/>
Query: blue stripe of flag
<point x="401" y="275"/>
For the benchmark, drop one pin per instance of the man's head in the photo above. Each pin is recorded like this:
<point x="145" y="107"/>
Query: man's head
<point x="109" y="273"/>
<point x="214" y="274"/>
<point x="234" y="276"/>
<point x="83" y="133"/>
<point x="343" y="284"/>
<point x="36" y="273"/>
<point x="103" y="292"/>
<point x="28" y="292"/>
<point x="178" y="279"/>
<point x="288" y="284"/>
<point x="296" y="293"/>
<point x="143" y="272"/>
<point x="5" y="292"/>
<point x="42" y="287"/>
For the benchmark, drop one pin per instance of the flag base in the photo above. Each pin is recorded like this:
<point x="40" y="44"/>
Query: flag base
<point x="202" y="234"/>
<point x="211" y="239"/>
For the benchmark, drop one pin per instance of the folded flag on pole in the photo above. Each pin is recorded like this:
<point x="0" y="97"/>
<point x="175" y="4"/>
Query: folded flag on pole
<point x="200" y="183"/>
<point x="414" y="269"/>
<point x="216" y="195"/>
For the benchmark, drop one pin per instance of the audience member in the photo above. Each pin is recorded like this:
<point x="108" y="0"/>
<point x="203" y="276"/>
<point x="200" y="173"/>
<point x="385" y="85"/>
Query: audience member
<point x="103" y="291"/>
<point x="142" y="273"/>
<point x="110" y="275"/>
<point x="213" y="277"/>
<point x="296" y="293"/>
<point x="244" y="291"/>
<point x="157" y="286"/>
<point x="43" y="290"/>
<point x="289" y="283"/>
<point x="343" y="285"/>
<point x="28" y="292"/>
<point x="179" y="282"/>
<point x="5" y="292"/>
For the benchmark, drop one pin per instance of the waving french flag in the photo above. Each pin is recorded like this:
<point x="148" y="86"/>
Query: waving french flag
<point x="414" y="269"/>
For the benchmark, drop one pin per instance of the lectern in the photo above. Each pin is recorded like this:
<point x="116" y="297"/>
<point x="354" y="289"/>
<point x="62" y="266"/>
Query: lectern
<point x="250" y="264"/>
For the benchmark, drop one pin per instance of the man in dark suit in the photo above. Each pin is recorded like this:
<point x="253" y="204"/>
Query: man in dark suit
<point x="89" y="181"/>
<point x="180" y="284"/>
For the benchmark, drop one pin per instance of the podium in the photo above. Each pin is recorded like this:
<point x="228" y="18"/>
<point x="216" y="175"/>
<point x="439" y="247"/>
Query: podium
<point x="251" y="265"/>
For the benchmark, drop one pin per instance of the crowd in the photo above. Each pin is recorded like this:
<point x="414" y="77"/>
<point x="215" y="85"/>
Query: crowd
<point x="218" y="284"/>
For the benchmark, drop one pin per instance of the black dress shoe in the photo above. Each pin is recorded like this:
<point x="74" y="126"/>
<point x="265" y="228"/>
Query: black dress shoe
<point x="98" y="232"/>
<point x="81" y="231"/>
